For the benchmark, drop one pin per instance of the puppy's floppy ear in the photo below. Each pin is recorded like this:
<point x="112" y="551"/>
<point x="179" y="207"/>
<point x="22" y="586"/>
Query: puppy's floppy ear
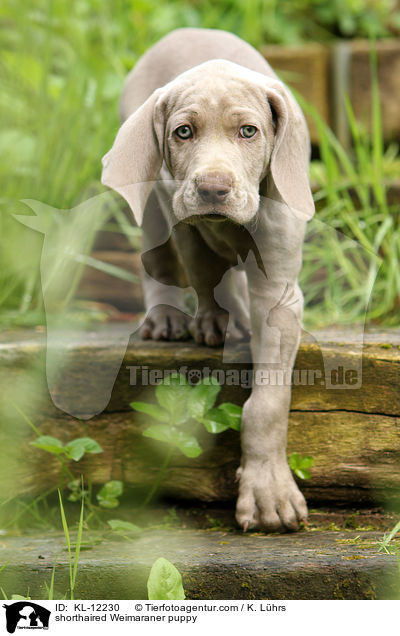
<point x="289" y="163"/>
<point x="133" y="163"/>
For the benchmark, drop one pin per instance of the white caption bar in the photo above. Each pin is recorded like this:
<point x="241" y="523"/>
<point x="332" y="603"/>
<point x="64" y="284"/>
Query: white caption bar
<point x="142" y="617"/>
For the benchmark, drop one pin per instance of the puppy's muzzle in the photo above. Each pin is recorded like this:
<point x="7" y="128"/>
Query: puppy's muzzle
<point x="214" y="188"/>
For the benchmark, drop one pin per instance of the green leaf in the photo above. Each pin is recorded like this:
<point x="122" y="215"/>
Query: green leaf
<point x="81" y="445"/>
<point x="202" y="397"/>
<point x="113" y="488"/>
<point x="165" y="582"/>
<point x="216" y="421"/>
<point x="122" y="527"/>
<point x="300" y="464"/>
<point x="186" y="443"/>
<point x="294" y="460"/>
<point x="75" y="450"/>
<point x="17" y="597"/>
<point x="159" y="414"/>
<point x="49" y="444"/>
<point x="109" y="503"/>
<point x="234" y="412"/>
<point x="78" y="492"/>
<point x="306" y="461"/>
<point x="107" y="496"/>
<point x="172" y="394"/>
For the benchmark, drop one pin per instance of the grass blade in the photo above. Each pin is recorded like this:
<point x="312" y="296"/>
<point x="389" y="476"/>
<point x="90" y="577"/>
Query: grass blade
<point x="78" y="543"/>
<point x="68" y="542"/>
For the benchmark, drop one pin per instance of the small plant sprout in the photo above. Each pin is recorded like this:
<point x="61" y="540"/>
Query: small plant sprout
<point x="180" y="409"/>
<point x="300" y="465"/>
<point x="123" y="528"/>
<point x="109" y="493"/>
<point x="75" y="449"/>
<point x="386" y="545"/>
<point x="165" y="582"/>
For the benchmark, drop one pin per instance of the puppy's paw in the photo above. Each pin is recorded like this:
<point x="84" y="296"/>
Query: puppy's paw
<point x="269" y="498"/>
<point x="210" y="328"/>
<point x="165" y="323"/>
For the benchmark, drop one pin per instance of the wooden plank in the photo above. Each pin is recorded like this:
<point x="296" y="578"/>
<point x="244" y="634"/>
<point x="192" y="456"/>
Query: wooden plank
<point x="357" y="457"/>
<point x="352" y="433"/>
<point x="388" y="58"/>
<point x="22" y="363"/>
<point x="99" y="286"/>
<point x="306" y="69"/>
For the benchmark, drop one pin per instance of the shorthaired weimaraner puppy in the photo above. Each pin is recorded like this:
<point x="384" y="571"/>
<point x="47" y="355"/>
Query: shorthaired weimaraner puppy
<point x="213" y="158"/>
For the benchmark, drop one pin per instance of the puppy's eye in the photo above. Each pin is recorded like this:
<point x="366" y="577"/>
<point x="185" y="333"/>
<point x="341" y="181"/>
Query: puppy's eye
<point x="183" y="132"/>
<point x="248" y="131"/>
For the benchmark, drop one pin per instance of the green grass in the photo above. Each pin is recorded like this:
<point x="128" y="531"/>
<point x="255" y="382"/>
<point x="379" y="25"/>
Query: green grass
<point x="63" y="63"/>
<point x="73" y="558"/>
<point x="61" y="73"/>
<point x="351" y="267"/>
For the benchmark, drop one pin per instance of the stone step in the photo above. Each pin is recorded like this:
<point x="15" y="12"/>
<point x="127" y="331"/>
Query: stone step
<point x="214" y="563"/>
<point x="351" y="429"/>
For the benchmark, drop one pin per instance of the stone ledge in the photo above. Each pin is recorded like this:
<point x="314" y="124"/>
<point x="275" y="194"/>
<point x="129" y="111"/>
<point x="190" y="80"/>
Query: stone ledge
<point x="214" y="565"/>
<point x="353" y="434"/>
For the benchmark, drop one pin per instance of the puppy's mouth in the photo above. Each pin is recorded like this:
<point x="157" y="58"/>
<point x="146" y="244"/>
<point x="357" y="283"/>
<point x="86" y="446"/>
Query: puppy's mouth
<point x="212" y="216"/>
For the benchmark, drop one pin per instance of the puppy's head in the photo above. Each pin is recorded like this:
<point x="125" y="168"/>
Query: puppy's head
<point x="226" y="134"/>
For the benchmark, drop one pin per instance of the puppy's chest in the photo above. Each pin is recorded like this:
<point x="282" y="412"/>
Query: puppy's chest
<point x="223" y="238"/>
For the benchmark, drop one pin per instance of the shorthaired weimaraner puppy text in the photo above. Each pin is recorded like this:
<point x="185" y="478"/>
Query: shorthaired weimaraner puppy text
<point x="213" y="160"/>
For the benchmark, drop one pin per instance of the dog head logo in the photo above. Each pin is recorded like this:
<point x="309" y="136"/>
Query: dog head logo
<point x="26" y="615"/>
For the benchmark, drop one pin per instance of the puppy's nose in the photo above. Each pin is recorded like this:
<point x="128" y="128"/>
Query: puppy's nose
<point x="214" y="187"/>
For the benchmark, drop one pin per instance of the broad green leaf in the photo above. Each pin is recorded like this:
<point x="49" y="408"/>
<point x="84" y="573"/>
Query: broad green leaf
<point x="234" y="412"/>
<point x="306" y="461"/>
<point x="216" y="421"/>
<point x="172" y="395"/>
<point x="107" y="496"/>
<point x="294" y="460"/>
<point x="113" y="488"/>
<point x="75" y="496"/>
<point x="75" y="450"/>
<point x="300" y="464"/>
<point x="49" y="444"/>
<point x="186" y="443"/>
<point x="91" y="446"/>
<point x="202" y="397"/>
<point x="108" y="502"/>
<point x="120" y="526"/>
<point x="81" y="445"/>
<point x="165" y="582"/>
<point x="159" y="414"/>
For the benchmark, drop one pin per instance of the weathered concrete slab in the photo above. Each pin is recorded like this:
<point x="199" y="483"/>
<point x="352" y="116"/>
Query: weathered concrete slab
<point x="214" y="565"/>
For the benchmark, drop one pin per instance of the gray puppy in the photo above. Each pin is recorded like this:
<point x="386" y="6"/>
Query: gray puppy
<point x="213" y="159"/>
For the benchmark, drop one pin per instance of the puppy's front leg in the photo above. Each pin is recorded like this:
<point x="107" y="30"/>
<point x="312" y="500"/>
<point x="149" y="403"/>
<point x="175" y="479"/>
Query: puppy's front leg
<point x="204" y="269"/>
<point x="268" y="495"/>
